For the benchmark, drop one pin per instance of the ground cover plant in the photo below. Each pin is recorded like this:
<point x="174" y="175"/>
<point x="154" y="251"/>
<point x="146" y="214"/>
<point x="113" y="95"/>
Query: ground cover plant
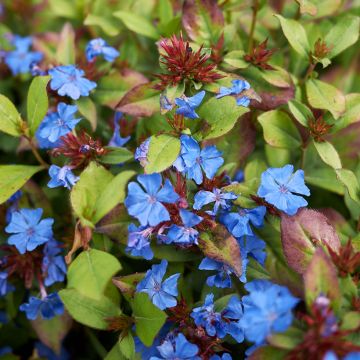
<point x="179" y="179"/>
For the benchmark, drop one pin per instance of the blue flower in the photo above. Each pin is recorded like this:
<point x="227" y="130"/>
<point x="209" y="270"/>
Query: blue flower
<point x="177" y="348"/>
<point x="147" y="205"/>
<point x="47" y="353"/>
<point x="57" y="124"/>
<point x="267" y="309"/>
<point x="224" y="356"/>
<point x="223" y="278"/>
<point x="187" y="105"/>
<point x="141" y="152"/>
<point x="206" y="317"/>
<point x="233" y="313"/>
<point x="5" y="287"/>
<point x="98" y="47"/>
<point x="162" y="293"/>
<point x="238" y="87"/>
<point x="53" y="264"/>
<point x="29" y="231"/>
<point x="192" y="160"/>
<point x="117" y="140"/>
<point x="278" y="186"/>
<point x="48" y="307"/>
<point x="13" y="202"/>
<point x="184" y="235"/>
<point x="165" y="104"/>
<point x="238" y="223"/>
<point x="239" y="176"/>
<point x="138" y="241"/>
<point x="67" y="80"/>
<point x="5" y="349"/>
<point x="20" y="59"/>
<point x="61" y="176"/>
<point x="221" y="199"/>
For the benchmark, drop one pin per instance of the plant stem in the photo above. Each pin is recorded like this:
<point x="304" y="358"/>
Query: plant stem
<point x="309" y="71"/>
<point x="36" y="153"/>
<point x="255" y="9"/>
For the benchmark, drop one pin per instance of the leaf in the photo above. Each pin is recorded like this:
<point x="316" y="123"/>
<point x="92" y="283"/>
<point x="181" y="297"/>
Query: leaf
<point x="343" y="34"/>
<point x="88" y="311"/>
<point x="108" y="24"/>
<point x="278" y="77"/>
<point x="148" y="318"/>
<point x="116" y="155"/>
<point x="350" y="181"/>
<point x="220" y="116"/>
<point x="141" y="100"/>
<point x="307" y="7"/>
<point x="352" y="112"/>
<point x="65" y="52"/>
<point x="91" y="272"/>
<point x="286" y="340"/>
<point x="279" y="130"/>
<point x="302" y="233"/>
<point x="138" y="24"/>
<point x="51" y="332"/>
<point x="320" y="278"/>
<point x="163" y="151"/>
<point x="37" y="102"/>
<point x="325" y="96"/>
<point x="296" y="35"/>
<point x="127" y="346"/>
<point x="113" y="194"/>
<point x="87" y="108"/>
<point x="13" y="177"/>
<point x="127" y="284"/>
<point x="236" y="59"/>
<point x="221" y="246"/>
<point x="328" y="154"/>
<point x="10" y="119"/>
<point x="300" y="112"/>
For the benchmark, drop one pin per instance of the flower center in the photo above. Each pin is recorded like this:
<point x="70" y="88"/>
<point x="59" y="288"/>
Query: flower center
<point x="152" y="199"/>
<point x="283" y="189"/>
<point x="30" y="232"/>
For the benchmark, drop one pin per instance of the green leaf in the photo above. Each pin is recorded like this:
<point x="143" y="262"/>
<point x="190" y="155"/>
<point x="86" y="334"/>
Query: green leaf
<point x="37" y="102"/>
<point x="138" y="24"/>
<point x="91" y="272"/>
<point x="343" y="34"/>
<point x="279" y="130"/>
<point x="116" y="155"/>
<point x="165" y="11"/>
<point x="113" y="194"/>
<point x="287" y="340"/>
<point x="350" y="181"/>
<point x="328" y="154"/>
<point x="220" y="116"/>
<point x="352" y="112"/>
<point x="278" y="77"/>
<point x="307" y="7"/>
<point x="13" y="177"/>
<point x="87" y="108"/>
<point x="148" y="318"/>
<point x="108" y="24"/>
<point x="300" y="112"/>
<point x="321" y="278"/>
<point x="325" y="96"/>
<point x="163" y="151"/>
<point x="236" y="59"/>
<point x="10" y="119"/>
<point x="88" y="311"/>
<point x="65" y="52"/>
<point x="127" y="346"/>
<point x="296" y="35"/>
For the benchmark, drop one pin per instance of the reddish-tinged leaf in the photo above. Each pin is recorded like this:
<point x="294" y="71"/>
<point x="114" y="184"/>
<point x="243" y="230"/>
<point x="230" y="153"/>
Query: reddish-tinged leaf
<point x="141" y="100"/>
<point x="274" y="99"/>
<point x="302" y="233"/>
<point x="127" y="284"/>
<point x="202" y="17"/>
<point x="223" y="247"/>
<point x="320" y="277"/>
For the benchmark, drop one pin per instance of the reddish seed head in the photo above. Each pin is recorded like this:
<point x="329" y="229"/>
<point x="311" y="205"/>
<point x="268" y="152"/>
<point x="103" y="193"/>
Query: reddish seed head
<point x="319" y="128"/>
<point x="321" y="49"/>
<point x="182" y="63"/>
<point x="260" y="56"/>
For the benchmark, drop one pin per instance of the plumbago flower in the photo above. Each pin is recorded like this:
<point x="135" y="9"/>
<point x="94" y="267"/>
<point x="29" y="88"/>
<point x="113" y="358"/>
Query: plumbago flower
<point x="145" y="203"/>
<point x="139" y="242"/>
<point x="116" y="140"/>
<point x="97" y="47"/>
<point x="221" y="199"/>
<point x="5" y="287"/>
<point x="48" y="307"/>
<point x="223" y="278"/>
<point x="141" y="152"/>
<point x="238" y="87"/>
<point x="192" y="161"/>
<point x="187" y="105"/>
<point x="67" y="80"/>
<point x="62" y="176"/>
<point x="280" y="186"/>
<point x="28" y="230"/>
<point x="161" y="293"/>
<point x="57" y="124"/>
<point x="53" y="264"/>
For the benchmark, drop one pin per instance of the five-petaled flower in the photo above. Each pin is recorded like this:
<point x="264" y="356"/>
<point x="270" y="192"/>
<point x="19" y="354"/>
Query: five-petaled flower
<point x="187" y="105"/>
<point x="28" y="230"/>
<point x="53" y="264"/>
<point x="145" y="203"/>
<point x="138" y="241"/>
<point x="162" y="293"/>
<point x="67" y="80"/>
<point x="62" y="176"/>
<point x="97" y="47"/>
<point x="236" y="90"/>
<point x="280" y="187"/>
<point x="220" y="198"/>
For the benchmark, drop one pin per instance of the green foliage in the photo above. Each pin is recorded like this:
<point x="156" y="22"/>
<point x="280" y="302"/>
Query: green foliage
<point x="10" y="120"/>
